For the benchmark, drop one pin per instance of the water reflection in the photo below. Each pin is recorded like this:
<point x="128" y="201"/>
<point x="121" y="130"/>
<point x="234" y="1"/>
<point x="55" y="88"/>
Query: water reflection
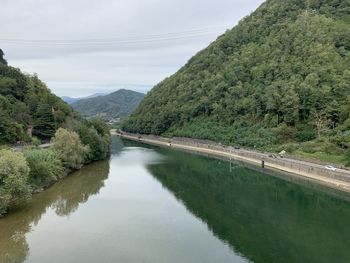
<point x="263" y="218"/>
<point x="222" y="213"/>
<point x="64" y="198"/>
<point x="117" y="145"/>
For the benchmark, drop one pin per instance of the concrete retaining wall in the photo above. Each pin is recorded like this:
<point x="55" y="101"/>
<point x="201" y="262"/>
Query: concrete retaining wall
<point x="301" y="166"/>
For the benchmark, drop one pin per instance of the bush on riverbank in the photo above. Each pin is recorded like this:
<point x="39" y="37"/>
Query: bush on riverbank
<point x="14" y="179"/>
<point x="95" y="134"/>
<point x="70" y="148"/>
<point x="45" y="167"/>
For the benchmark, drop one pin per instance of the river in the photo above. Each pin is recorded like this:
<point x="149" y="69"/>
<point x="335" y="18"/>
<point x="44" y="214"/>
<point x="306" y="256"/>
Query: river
<point x="150" y="204"/>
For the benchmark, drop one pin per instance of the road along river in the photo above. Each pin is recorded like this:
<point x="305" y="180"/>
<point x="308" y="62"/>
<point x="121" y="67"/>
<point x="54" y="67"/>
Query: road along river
<point x="338" y="179"/>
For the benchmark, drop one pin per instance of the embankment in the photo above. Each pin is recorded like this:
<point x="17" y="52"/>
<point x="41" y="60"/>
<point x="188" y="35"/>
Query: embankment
<point x="338" y="179"/>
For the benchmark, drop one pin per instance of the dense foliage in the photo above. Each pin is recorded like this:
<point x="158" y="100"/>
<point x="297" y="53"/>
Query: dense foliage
<point x="14" y="179"/>
<point x="118" y="104"/>
<point x="96" y="135"/>
<point x="27" y="107"/>
<point x="282" y="75"/>
<point x="25" y="103"/>
<point x="21" y="174"/>
<point x="70" y="148"/>
<point x="45" y="167"/>
<point x="2" y="60"/>
<point x="347" y="157"/>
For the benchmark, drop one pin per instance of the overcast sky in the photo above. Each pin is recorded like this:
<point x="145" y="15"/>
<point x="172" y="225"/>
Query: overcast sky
<point x="80" y="47"/>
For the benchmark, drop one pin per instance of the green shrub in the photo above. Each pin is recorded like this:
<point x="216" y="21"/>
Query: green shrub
<point x="342" y="139"/>
<point x="305" y="135"/>
<point x="35" y="141"/>
<point x="285" y="133"/>
<point x="347" y="157"/>
<point x="289" y="147"/>
<point x="330" y="148"/>
<point x="321" y="146"/>
<point x="95" y="134"/>
<point x="70" y="148"/>
<point x="45" y="166"/>
<point x="311" y="147"/>
<point x="14" y="175"/>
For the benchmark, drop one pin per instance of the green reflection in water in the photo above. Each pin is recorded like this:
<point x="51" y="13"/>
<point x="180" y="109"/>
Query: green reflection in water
<point x="134" y="219"/>
<point x="64" y="198"/>
<point x="262" y="218"/>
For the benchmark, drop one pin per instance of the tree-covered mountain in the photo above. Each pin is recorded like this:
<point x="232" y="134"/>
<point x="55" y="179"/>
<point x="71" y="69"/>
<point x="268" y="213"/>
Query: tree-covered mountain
<point x="27" y="106"/>
<point x="118" y="104"/>
<point x="281" y="75"/>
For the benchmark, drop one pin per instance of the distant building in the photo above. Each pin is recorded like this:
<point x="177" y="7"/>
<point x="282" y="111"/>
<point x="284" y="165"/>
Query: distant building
<point x="116" y="120"/>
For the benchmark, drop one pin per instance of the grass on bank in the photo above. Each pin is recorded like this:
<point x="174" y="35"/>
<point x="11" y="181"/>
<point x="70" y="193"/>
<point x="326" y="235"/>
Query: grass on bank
<point x="321" y="156"/>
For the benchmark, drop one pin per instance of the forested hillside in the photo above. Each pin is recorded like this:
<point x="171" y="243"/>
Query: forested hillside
<point x="118" y="104"/>
<point x="29" y="112"/>
<point x="27" y="104"/>
<point x="280" y="77"/>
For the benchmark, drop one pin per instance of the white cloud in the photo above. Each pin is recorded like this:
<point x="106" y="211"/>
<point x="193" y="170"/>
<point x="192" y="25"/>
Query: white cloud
<point x="134" y="59"/>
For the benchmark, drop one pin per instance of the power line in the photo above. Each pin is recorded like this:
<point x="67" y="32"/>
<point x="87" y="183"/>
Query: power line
<point x="133" y="39"/>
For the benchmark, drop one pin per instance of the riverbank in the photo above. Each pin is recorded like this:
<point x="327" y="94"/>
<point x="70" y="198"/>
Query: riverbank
<point x="160" y="199"/>
<point x="26" y="171"/>
<point x="338" y="179"/>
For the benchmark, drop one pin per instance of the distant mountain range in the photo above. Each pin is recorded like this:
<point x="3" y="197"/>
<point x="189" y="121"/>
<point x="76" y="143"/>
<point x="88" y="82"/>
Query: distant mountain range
<point x="71" y="100"/>
<point x="112" y="106"/>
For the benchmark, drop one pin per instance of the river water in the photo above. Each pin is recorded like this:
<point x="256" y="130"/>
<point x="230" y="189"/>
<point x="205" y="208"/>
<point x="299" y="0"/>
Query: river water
<point x="149" y="204"/>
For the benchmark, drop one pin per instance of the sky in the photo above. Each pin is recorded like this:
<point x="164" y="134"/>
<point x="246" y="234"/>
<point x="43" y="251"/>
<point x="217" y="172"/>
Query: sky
<point x="82" y="47"/>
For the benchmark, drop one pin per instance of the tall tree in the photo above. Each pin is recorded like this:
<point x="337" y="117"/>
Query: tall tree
<point x="45" y="125"/>
<point x="2" y="60"/>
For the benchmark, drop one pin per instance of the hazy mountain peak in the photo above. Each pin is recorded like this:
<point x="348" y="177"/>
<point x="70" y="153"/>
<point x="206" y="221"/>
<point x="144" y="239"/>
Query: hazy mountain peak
<point x="115" y="105"/>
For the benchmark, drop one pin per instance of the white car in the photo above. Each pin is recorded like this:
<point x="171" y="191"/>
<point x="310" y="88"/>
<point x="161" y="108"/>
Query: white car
<point x="330" y="167"/>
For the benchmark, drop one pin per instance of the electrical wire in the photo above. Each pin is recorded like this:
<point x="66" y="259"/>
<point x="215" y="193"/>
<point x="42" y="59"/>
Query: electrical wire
<point x="126" y="40"/>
